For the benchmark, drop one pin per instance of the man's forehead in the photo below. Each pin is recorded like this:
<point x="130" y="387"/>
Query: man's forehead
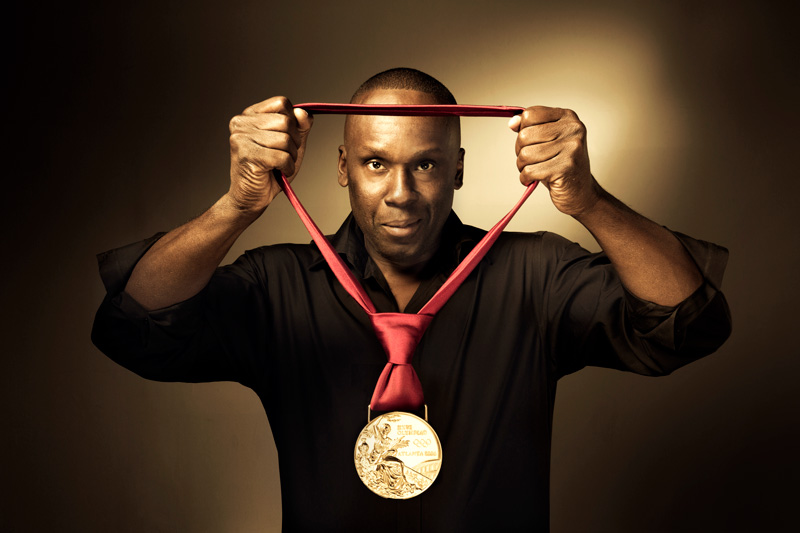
<point x="408" y="135"/>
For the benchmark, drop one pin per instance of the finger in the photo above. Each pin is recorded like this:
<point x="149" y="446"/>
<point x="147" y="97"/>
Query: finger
<point x="260" y="161"/>
<point x="542" y="133"/>
<point x="544" y="171"/>
<point x="274" y="140"/>
<point x="304" y="121"/>
<point x="268" y="149"/>
<point x="276" y="104"/>
<point x="266" y="122"/>
<point x="541" y="115"/>
<point x="536" y="154"/>
<point x="515" y="122"/>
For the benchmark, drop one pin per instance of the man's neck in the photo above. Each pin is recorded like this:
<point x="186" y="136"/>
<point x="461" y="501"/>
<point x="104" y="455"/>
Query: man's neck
<point x="403" y="280"/>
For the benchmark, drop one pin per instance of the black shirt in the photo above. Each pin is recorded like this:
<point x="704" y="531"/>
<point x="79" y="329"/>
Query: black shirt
<point x="537" y="307"/>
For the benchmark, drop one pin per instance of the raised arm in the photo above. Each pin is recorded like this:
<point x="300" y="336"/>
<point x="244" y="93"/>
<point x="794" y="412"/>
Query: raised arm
<point x="267" y="135"/>
<point x="652" y="263"/>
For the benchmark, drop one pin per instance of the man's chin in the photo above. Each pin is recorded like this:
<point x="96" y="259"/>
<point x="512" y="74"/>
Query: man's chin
<point x="403" y="255"/>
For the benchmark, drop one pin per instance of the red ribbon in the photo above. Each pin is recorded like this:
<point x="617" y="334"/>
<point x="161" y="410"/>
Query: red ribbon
<point x="398" y="386"/>
<point x="413" y="110"/>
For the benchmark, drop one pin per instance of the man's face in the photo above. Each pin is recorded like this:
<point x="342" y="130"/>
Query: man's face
<point x="401" y="173"/>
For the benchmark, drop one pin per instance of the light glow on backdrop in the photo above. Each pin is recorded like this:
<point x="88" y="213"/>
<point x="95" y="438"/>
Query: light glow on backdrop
<point x="617" y="89"/>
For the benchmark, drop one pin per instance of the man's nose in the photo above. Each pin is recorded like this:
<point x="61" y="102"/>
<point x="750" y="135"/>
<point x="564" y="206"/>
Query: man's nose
<point x="401" y="187"/>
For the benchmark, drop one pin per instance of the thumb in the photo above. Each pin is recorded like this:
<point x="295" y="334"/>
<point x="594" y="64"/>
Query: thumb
<point x="514" y="123"/>
<point x="304" y="121"/>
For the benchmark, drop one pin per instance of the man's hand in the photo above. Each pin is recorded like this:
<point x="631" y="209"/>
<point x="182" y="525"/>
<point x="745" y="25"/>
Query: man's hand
<point x="551" y="148"/>
<point x="268" y="135"/>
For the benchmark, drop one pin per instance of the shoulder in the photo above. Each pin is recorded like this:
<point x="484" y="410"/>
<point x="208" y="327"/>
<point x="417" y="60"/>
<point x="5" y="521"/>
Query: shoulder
<point x="533" y="242"/>
<point x="540" y="254"/>
<point x="274" y="261"/>
<point x="283" y="255"/>
<point x="301" y="252"/>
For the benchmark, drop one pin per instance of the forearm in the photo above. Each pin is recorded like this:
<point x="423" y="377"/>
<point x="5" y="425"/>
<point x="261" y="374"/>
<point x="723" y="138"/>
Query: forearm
<point x="180" y="264"/>
<point x="651" y="262"/>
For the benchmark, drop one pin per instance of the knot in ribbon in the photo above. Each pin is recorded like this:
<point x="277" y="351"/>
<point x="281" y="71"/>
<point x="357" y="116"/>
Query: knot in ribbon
<point x="398" y="386"/>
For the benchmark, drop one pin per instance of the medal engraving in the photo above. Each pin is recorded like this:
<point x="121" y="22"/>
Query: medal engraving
<point x="398" y="455"/>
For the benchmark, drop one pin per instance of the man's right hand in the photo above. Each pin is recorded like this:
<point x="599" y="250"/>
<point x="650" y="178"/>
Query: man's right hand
<point x="268" y="135"/>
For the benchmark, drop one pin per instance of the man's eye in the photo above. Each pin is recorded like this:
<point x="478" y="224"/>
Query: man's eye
<point x="426" y="165"/>
<point x="374" y="165"/>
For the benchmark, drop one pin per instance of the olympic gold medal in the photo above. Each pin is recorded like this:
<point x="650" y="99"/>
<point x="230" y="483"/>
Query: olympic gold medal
<point x="398" y="455"/>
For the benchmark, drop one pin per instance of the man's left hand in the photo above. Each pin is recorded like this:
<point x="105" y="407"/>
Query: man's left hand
<point x="551" y="148"/>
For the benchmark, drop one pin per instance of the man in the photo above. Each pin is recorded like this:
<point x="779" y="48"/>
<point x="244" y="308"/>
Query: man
<point x="535" y="309"/>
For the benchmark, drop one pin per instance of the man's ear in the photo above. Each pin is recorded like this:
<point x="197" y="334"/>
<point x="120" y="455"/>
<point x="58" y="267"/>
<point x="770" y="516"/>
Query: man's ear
<point x="343" y="177"/>
<point x="459" y="179"/>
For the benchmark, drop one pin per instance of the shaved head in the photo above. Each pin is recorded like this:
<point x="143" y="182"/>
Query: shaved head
<point x="407" y="79"/>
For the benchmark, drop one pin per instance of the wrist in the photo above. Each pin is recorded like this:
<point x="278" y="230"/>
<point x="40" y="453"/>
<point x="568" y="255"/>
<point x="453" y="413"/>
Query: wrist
<point x="594" y="199"/>
<point x="229" y="208"/>
<point x="606" y="214"/>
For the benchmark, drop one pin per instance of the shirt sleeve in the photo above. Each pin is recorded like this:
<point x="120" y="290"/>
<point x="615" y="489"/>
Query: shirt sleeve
<point x="595" y="321"/>
<point x="197" y="340"/>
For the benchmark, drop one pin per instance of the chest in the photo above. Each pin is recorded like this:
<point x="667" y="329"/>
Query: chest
<point x="483" y="337"/>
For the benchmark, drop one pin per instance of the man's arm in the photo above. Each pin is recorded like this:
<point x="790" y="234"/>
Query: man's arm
<point x="651" y="262"/>
<point x="267" y="135"/>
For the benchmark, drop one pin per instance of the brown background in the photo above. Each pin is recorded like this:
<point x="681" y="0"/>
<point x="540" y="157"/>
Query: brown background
<point x="118" y="124"/>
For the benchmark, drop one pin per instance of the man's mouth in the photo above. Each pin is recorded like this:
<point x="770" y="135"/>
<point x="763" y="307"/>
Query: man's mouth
<point x="401" y="228"/>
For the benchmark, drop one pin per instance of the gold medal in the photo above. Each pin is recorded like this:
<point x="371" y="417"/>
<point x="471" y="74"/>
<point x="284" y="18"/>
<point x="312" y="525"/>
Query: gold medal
<point x="398" y="455"/>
